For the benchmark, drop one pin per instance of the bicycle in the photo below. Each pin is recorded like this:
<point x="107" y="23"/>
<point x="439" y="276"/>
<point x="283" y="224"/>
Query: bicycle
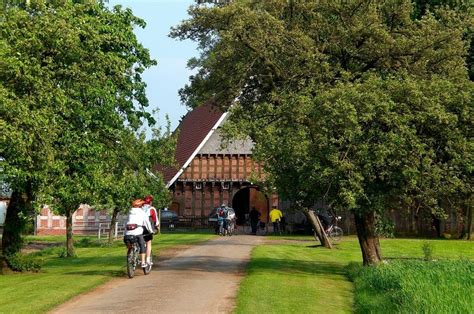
<point x="334" y="232"/>
<point x="133" y="256"/>
<point x="261" y="228"/>
<point x="230" y="227"/>
<point x="226" y="227"/>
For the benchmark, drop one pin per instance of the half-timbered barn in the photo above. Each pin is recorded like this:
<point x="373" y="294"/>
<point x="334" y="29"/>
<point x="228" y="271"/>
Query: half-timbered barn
<point x="210" y="174"/>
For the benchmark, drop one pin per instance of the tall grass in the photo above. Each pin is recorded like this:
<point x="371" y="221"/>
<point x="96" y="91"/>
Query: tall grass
<point x="414" y="286"/>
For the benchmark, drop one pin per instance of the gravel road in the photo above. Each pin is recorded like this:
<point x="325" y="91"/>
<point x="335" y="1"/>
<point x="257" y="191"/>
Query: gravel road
<point x="200" y="279"/>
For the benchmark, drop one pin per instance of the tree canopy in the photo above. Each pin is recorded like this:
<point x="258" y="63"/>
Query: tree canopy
<point x="72" y="98"/>
<point x="367" y="105"/>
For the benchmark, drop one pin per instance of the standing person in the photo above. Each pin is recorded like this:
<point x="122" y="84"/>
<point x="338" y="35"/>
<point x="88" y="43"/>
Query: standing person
<point x="254" y="217"/>
<point x="324" y="217"/>
<point x="138" y="224"/>
<point x="275" y="217"/>
<point x="152" y="215"/>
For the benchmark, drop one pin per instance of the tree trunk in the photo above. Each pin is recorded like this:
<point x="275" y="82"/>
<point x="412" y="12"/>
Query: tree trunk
<point x="469" y="221"/>
<point x="318" y="229"/>
<point x="368" y="240"/>
<point x="69" y="240"/>
<point x="14" y="224"/>
<point x="112" y="225"/>
<point x="159" y="220"/>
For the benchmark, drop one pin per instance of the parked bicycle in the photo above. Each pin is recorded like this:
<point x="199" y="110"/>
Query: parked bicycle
<point x="133" y="256"/>
<point x="334" y="232"/>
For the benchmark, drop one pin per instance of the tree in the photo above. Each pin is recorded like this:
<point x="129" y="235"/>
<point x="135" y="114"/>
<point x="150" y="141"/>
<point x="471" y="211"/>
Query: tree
<point x="71" y="82"/>
<point x="354" y="102"/>
<point x="464" y="201"/>
<point x="129" y="177"/>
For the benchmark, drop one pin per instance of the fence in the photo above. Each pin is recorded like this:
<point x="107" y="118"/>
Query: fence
<point x="104" y="228"/>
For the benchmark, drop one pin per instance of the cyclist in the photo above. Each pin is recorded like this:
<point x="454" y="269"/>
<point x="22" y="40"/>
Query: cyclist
<point x="151" y="212"/>
<point x="137" y="225"/>
<point x="222" y="213"/>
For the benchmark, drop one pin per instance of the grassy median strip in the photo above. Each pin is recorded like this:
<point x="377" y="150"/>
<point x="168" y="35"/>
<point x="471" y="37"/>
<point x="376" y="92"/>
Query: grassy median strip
<point x="296" y="276"/>
<point x="62" y="278"/>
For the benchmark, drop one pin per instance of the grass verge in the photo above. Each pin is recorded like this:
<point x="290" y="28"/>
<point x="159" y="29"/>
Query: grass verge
<point x="62" y="278"/>
<point x="414" y="286"/>
<point x="293" y="275"/>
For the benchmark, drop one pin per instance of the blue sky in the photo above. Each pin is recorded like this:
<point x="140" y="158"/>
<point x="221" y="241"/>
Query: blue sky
<point x="165" y="79"/>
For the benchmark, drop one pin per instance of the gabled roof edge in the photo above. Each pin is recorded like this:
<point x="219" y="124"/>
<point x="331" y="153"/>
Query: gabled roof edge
<point x="188" y="161"/>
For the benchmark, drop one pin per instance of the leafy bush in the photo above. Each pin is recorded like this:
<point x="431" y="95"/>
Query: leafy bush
<point x="84" y="242"/>
<point x="427" y="251"/>
<point x="47" y="251"/>
<point x="385" y="227"/>
<point x="414" y="286"/>
<point x="22" y="262"/>
<point x="62" y="253"/>
<point x="90" y="242"/>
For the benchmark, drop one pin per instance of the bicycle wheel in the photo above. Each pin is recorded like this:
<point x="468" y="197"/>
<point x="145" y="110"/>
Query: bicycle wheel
<point x="336" y="234"/>
<point x="147" y="269"/>
<point x="131" y="262"/>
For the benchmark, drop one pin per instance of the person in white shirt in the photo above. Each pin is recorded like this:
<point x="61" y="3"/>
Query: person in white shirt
<point x="137" y="225"/>
<point x="151" y="212"/>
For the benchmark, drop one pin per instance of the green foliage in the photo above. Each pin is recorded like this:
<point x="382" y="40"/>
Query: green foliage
<point x="354" y="102"/>
<point x="414" y="287"/>
<point x="63" y="252"/>
<point x="22" y="262"/>
<point x="84" y="242"/>
<point x="72" y="100"/>
<point x="427" y="249"/>
<point x="384" y="227"/>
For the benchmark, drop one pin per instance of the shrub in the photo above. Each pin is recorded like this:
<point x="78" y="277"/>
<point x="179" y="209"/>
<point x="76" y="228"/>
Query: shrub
<point x="22" y="262"/>
<point x="427" y="249"/>
<point x="62" y="253"/>
<point x="89" y="242"/>
<point x="46" y="252"/>
<point x="84" y="242"/>
<point x="384" y="227"/>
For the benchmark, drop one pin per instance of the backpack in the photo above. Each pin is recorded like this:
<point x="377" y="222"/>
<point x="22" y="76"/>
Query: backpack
<point x="221" y="212"/>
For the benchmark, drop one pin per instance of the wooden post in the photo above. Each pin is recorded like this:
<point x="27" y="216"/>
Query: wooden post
<point x="159" y="220"/>
<point x="318" y="229"/>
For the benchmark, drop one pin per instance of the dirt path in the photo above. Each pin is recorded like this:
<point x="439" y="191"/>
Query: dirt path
<point x="200" y="279"/>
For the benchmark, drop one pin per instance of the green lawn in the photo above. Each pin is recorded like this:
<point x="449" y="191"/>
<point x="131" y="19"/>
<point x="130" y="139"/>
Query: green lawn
<point x="60" y="278"/>
<point x="297" y="277"/>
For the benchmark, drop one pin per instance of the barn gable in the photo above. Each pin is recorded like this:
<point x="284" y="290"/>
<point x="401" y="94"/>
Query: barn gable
<point x="211" y="174"/>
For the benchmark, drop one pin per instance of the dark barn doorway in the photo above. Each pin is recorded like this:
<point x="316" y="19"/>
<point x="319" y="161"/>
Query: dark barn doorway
<point x="240" y="203"/>
<point x="247" y="198"/>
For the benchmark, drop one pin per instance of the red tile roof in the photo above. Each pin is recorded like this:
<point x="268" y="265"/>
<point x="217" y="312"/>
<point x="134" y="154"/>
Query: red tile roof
<point x="192" y="129"/>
